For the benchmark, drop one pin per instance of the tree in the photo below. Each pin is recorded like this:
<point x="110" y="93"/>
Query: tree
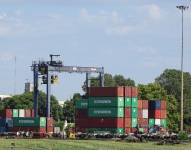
<point x="170" y="80"/>
<point x="155" y="91"/>
<point x="122" y="81"/>
<point x="69" y="109"/>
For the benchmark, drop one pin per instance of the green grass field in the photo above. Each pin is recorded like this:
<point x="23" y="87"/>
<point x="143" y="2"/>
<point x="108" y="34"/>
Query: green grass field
<point x="39" y="144"/>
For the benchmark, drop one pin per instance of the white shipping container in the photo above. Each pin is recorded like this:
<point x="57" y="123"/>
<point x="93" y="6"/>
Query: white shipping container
<point x="21" y="113"/>
<point x="157" y="122"/>
<point x="145" y="114"/>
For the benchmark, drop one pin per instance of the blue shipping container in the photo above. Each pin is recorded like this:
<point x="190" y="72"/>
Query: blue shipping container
<point x="2" y="122"/>
<point x="154" y="104"/>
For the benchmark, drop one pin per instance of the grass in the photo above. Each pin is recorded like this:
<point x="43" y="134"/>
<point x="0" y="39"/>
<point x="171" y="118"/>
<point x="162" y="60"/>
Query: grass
<point x="45" y="144"/>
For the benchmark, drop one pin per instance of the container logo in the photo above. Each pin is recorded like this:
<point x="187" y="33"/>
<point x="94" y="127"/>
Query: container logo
<point x="102" y="112"/>
<point x="102" y="101"/>
<point x="26" y="121"/>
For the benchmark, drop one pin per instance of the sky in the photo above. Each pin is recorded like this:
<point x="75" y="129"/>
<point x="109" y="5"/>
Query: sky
<point x="136" y="38"/>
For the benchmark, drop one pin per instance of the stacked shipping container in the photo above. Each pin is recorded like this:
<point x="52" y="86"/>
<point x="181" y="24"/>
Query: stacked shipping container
<point x="118" y="110"/>
<point x="106" y="110"/>
<point x="131" y="110"/>
<point x="157" y="113"/>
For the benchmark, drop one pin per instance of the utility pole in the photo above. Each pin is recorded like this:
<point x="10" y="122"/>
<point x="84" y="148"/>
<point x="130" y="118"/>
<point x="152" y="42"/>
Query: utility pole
<point x="182" y="8"/>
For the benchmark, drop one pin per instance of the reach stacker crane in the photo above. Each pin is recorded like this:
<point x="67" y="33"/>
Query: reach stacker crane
<point x="45" y="70"/>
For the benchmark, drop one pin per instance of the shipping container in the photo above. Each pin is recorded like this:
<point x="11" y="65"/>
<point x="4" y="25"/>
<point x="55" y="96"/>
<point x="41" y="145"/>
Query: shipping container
<point x="133" y="130"/>
<point x="101" y="123"/>
<point x="142" y="123"/>
<point x="145" y="113"/>
<point x="128" y="112"/>
<point x="145" y="104"/>
<point x="81" y="104"/>
<point x="25" y="129"/>
<point x="106" y="102"/>
<point x="134" y="122"/>
<point x="127" y="130"/>
<point x="134" y="92"/>
<point x="163" y="114"/>
<point x="7" y="113"/>
<point x="157" y="122"/>
<point x="140" y="113"/>
<point x="15" y="113"/>
<point x="106" y="112"/>
<point x="134" y="113"/>
<point x="78" y="129"/>
<point x="106" y="130"/>
<point x="154" y="104"/>
<point x="49" y="129"/>
<point x="28" y="113"/>
<point x="81" y="113"/>
<point x="163" y="123"/>
<point x="140" y="106"/>
<point x="128" y="122"/>
<point x="157" y="114"/>
<point x="106" y="91"/>
<point x="128" y="92"/>
<point x="134" y="102"/>
<point x="21" y="113"/>
<point x="151" y="122"/>
<point x="29" y="122"/>
<point x="163" y="105"/>
<point x="128" y="102"/>
<point x="50" y="122"/>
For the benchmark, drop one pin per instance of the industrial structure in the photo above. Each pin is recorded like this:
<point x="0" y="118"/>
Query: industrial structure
<point x="46" y="70"/>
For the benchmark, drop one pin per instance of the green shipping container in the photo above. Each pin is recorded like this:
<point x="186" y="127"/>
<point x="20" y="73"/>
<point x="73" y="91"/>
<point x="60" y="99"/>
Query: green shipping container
<point x="127" y="102"/>
<point x="15" y="113"/>
<point x="134" y="102"/>
<point x="134" y="122"/>
<point x="134" y="112"/>
<point x="163" y="123"/>
<point x="151" y="122"/>
<point x="106" y="112"/>
<point x="106" y="102"/>
<point x="81" y="104"/>
<point x="141" y="129"/>
<point x="29" y="122"/>
<point x="106" y="130"/>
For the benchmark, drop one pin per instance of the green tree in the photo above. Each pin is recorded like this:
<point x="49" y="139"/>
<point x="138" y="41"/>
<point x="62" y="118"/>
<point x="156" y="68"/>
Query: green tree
<point x="170" y="80"/>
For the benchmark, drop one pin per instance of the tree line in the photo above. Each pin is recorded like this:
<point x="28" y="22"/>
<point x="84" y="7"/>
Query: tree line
<point x="166" y="86"/>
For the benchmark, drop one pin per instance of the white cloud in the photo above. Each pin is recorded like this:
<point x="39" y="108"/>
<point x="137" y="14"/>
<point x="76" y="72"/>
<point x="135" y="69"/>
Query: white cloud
<point x="119" y="30"/>
<point x="154" y="11"/>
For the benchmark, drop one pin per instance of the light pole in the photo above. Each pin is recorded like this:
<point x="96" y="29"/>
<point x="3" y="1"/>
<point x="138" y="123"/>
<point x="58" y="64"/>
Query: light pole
<point x="182" y="8"/>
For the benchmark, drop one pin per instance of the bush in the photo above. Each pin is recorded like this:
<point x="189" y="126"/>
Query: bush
<point x="183" y="135"/>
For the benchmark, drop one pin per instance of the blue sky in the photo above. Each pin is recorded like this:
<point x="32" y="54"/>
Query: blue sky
<point x="135" y="38"/>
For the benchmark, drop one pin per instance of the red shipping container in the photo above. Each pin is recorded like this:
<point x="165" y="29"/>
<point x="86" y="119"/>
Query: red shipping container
<point x="81" y="113"/>
<point x="50" y="122"/>
<point x="8" y="113"/>
<point x="140" y="104"/>
<point x="32" y="112"/>
<point x="140" y="113"/>
<point x="145" y="104"/>
<point x="83" y="130"/>
<point x="143" y="123"/>
<point x="127" y="130"/>
<point x="106" y="123"/>
<point x="127" y="112"/>
<point x="106" y="91"/>
<point x="28" y="113"/>
<point x="127" y="91"/>
<point x="157" y="114"/>
<point x="134" y="92"/>
<point x="128" y="122"/>
<point x="133" y="130"/>
<point x="82" y="122"/>
<point x="49" y="129"/>
<point x="146" y="130"/>
<point x="163" y="105"/>
<point x="163" y="114"/>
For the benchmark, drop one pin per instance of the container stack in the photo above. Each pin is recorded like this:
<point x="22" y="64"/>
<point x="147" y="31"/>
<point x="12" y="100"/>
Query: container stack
<point x="81" y="115"/>
<point x="143" y="116"/>
<point x="157" y="113"/>
<point x="106" y="110"/>
<point x="131" y="109"/>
